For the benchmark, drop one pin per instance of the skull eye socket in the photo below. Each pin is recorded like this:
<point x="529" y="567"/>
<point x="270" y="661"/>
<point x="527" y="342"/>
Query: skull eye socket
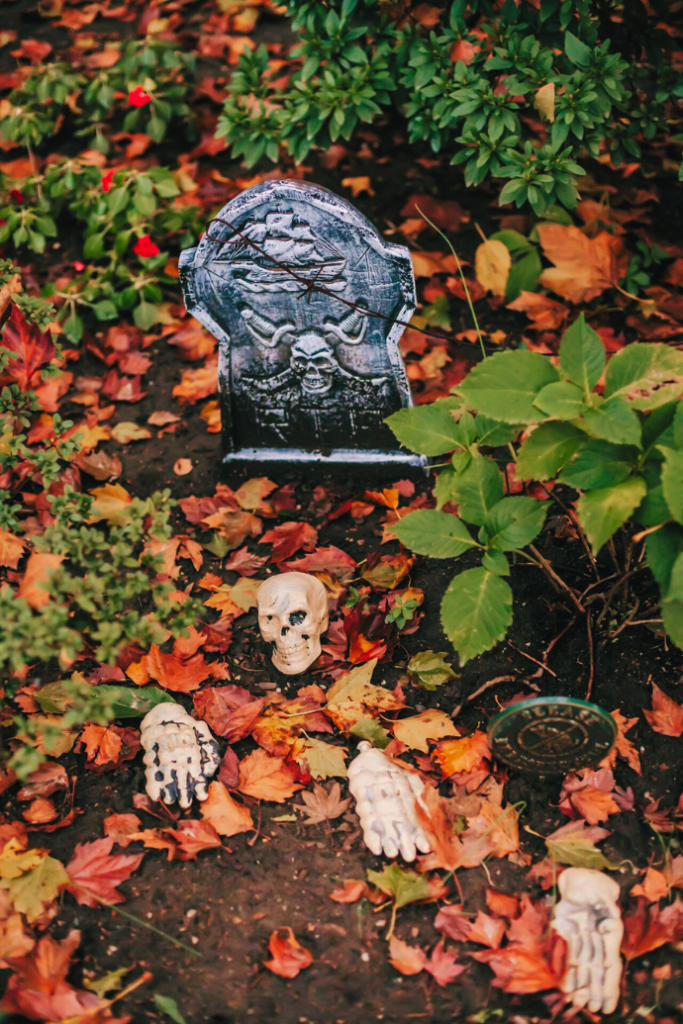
<point x="296" y="618"/>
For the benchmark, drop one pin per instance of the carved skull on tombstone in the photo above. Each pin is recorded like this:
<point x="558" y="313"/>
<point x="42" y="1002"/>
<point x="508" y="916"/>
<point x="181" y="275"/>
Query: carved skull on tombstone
<point x="292" y="615"/>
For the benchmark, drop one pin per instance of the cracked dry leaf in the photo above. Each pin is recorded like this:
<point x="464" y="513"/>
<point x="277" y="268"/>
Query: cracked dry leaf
<point x="323" y="804"/>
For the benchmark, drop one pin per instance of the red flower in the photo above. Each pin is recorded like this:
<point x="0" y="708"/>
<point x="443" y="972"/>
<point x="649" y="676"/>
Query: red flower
<point x="79" y="267"/>
<point x="107" y="181"/>
<point x="17" y="196"/>
<point x="145" y="247"/>
<point x="137" y="97"/>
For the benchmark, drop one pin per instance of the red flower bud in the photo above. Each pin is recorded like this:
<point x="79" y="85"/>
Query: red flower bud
<point x="137" y="97"/>
<point x="17" y="196"/>
<point x="145" y="247"/>
<point x="107" y="181"/>
<point x="79" y="267"/>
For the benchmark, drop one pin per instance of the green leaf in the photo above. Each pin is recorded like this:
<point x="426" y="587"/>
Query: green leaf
<point x="431" y="669"/>
<point x="105" y="310"/>
<point x="145" y="315"/>
<point x="478" y="487"/>
<point x="505" y="385"/>
<point x="491" y="434"/>
<point x="562" y="401"/>
<point x="495" y="561"/>
<point x="600" y="464"/>
<point x="168" y="1006"/>
<point x="602" y="512"/>
<point x="663" y="549"/>
<point x="476" y="612"/>
<point x="403" y="886"/>
<point x="93" y="246"/>
<point x="73" y="328"/>
<point x="523" y="275"/>
<point x="547" y="450"/>
<point x="582" y="355"/>
<point x="649" y="375"/>
<point x="444" y="488"/>
<point x="574" y="845"/>
<point x="369" y="729"/>
<point x="513" y="523"/>
<point x="124" y="701"/>
<point x="615" y="421"/>
<point x="425" y="429"/>
<point x="429" y="532"/>
<point x="672" y="613"/>
<point x="219" y="545"/>
<point x="324" y="760"/>
<point x="672" y="481"/>
<point x="577" y="51"/>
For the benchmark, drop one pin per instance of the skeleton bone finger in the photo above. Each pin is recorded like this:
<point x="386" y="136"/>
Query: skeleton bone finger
<point x="612" y="931"/>
<point x="596" y="971"/>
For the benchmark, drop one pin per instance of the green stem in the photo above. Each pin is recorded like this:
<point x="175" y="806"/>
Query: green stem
<point x="462" y="277"/>
<point x="139" y="920"/>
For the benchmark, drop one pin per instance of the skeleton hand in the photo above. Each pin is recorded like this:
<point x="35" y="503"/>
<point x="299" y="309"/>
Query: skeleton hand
<point x="181" y="755"/>
<point x="589" y="919"/>
<point x="385" y="803"/>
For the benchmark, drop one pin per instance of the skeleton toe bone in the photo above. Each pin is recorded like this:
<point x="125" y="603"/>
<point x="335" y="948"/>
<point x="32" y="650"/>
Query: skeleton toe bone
<point x="589" y="919"/>
<point x="292" y="615"/>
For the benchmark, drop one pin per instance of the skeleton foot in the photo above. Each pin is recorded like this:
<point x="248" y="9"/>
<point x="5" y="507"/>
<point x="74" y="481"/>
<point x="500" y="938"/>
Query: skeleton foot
<point x="385" y="798"/>
<point x="181" y="755"/>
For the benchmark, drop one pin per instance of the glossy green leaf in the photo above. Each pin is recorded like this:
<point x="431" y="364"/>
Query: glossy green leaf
<point x="582" y="355"/>
<point x="430" y="669"/>
<point x="649" y="375"/>
<point x="478" y="488"/>
<point x="476" y="612"/>
<point x="672" y="481"/>
<point x="547" y="450"/>
<point x="602" y="512"/>
<point x="505" y="386"/>
<point x="600" y="464"/>
<point x="513" y="523"/>
<point x="562" y="400"/>
<point x="434" y="533"/>
<point x="614" y="420"/>
<point x="425" y="429"/>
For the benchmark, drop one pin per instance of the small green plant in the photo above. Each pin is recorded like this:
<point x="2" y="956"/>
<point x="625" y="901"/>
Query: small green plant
<point x="620" y="447"/>
<point x="473" y="80"/>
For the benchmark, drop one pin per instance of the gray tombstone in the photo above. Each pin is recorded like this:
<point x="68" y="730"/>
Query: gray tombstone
<point x="308" y="303"/>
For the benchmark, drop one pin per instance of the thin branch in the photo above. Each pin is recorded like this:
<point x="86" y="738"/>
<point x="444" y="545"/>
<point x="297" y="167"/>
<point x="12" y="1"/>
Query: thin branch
<point x="544" y="667"/>
<point x="591" y="671"/>
<point x="577" y="526"/>
<point x="550" y="572"/>
<point x="492" y="682"/>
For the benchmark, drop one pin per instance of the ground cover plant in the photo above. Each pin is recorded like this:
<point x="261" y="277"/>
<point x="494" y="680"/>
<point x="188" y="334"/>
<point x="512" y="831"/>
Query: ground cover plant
<point x="541" y="554"/>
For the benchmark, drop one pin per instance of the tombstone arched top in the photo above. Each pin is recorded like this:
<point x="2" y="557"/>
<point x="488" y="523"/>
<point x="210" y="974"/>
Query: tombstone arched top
<point x="308" y="302"/>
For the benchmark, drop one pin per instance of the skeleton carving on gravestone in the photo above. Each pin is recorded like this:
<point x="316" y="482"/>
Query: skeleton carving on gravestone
<point x="303" y="294"/>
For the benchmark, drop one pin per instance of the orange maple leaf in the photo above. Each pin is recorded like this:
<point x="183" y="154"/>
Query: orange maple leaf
<point x="11" y="549"/>
<point x="174" y="674"/>
<point x="647" y="928"/>
<point x="267" y="778"/>
<point x="654" y="886"/>
<point x="462" y="755"/>
<point x="287" y="538"/>
<point x="406" y="959"/>
<point x="584" y="267"/>
<point x="230" y="711"/>
<point x="226" y="815"/>
<point x="102" y="744"/>
<point x="40" y="566"/>
<point x="666" y="716"/>
<point x="197" y="384"/>
<point x="487" y="930"/>
<point x="623" y="747"/>
<point x="594" y="804"/>
<point x="350" y="891"/>
<point x="289" y="956"/>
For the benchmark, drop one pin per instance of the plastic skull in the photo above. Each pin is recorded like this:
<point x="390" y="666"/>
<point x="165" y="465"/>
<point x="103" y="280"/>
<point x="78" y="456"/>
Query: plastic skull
<point x="292" y="615"/>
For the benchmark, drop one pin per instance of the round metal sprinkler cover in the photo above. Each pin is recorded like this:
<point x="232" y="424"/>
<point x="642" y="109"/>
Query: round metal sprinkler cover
<point x="552" y="734"/>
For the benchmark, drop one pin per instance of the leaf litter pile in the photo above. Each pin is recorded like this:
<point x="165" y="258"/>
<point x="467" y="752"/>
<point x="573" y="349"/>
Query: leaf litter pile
<point x="262" y="903"/>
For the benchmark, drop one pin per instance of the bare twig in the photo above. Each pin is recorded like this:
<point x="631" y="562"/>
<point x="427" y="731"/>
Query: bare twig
<point x="492" y="682"/>
<point x="591" y="671"/>
<point x="577" y="526"/>
<point x="310" y="286"/>
<point x="550" y="572"/>
<point x="544" y="667"/>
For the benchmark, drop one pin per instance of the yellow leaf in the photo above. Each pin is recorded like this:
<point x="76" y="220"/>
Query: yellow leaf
<point x="429" y="725"/>
<point x="358" y="185"/>
<point x="492" y="264"/>
<point x="111" y="503"/>
<point x="211" y="414"/>
<point x="544" y="101"/>
<point x="127" y="431"/>
<point x="181" y="467"/>
<point x="31" y="890"/>
<point x="90" y="437"/>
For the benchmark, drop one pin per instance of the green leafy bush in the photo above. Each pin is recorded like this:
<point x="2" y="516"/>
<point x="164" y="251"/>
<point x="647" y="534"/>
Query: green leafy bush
<point x="620" y="447"/>
<point x="469" y="85"/>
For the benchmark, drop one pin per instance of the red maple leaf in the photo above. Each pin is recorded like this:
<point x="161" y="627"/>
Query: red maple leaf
<point x="287" y="538"/>
<point x="95" y="874"/>
<point x="31" y="347"/>
<point x="38" y="990"/>
<point x="666" y="716"/>
<point x="332" y="560"/>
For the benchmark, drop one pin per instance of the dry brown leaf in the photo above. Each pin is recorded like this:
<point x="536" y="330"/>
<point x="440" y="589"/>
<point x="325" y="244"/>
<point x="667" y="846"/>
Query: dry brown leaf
<point x="666" y="716"/>
<point x="428" y="725"/>
<point x="323" y="804"/>
<point x="584" y="267"/>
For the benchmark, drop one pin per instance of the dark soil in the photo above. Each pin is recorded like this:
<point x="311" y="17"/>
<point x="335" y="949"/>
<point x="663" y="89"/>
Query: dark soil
<point x="225" y="905"/>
